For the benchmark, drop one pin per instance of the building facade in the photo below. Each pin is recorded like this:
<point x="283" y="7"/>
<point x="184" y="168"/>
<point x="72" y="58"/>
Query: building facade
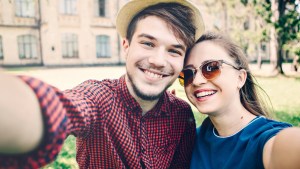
<point x="83" y="32"/>
<point x="59" y="32"/>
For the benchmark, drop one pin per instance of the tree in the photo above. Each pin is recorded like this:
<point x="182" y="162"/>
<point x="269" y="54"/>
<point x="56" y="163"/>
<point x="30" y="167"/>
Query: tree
<point x="239" y="21"/>
<point x="284" y="19"/>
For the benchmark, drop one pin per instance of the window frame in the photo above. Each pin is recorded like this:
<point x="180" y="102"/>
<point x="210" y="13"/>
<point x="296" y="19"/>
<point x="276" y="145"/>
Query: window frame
<point x="27" y="46"/>
<point x="70" y="45"/>
<point x="68" y="7"/>
<point x="103" y="46"/>
<point x="25" y="8"/>
<point x="1" y="49"/>
<point x="101" y="8"/>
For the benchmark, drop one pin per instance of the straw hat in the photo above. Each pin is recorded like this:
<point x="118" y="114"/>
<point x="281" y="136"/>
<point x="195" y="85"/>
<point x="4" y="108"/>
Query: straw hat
<point x="133" y="7"/>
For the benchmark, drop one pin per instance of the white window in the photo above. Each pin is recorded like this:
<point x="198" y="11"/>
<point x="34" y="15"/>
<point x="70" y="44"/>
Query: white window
<point x="25" y="8"/>
<point x="1" y="48"/>
<point x="68" y="7"/>
<point x="101" y="8"/>
<point x="69" y="45"/>
<point x="27" y="47"/>
<point x="103" y="46"/>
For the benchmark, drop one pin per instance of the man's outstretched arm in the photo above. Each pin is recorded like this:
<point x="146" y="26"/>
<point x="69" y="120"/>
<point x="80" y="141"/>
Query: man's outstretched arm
<point x="21" y="123"/>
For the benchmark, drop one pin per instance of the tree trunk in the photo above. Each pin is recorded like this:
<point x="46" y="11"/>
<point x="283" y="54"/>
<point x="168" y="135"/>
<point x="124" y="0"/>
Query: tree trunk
<point x="274" y="46"/>
<point x="225" y="12"/>
<point x="273" y="49"/>
<point x="280" y="59"/>
<point x="259" y="57"/>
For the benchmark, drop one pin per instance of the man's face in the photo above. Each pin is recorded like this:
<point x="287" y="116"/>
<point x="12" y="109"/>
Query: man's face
<point x="154" y="58"/>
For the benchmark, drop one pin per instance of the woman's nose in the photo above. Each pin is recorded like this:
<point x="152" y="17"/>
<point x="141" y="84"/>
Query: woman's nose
<point x="198" y="78"/>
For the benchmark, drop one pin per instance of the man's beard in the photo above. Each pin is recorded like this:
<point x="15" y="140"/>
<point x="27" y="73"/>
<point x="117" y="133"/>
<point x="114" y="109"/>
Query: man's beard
<point x="144" y="96"/>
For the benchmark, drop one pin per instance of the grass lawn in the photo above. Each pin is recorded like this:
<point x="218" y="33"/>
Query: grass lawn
<point x="284" y="94"/>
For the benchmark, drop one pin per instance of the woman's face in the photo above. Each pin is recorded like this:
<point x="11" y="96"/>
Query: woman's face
<point x="219" y="94"/>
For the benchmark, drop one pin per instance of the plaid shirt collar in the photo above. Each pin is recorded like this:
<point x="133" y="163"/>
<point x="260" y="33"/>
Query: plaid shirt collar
<point x="162" y="107"/>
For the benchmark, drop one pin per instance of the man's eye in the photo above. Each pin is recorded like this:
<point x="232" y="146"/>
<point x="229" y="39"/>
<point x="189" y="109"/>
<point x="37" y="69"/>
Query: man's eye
<point x="148" y="44"/>
<point x="175" y="52"/>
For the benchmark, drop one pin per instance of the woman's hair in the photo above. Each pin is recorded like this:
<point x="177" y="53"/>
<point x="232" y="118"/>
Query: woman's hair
<point x="177" y="17"/>
<point x="250" y="98"/>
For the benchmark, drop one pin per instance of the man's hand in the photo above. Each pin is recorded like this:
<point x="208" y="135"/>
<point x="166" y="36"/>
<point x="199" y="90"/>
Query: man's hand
<point x="21" y="124"/>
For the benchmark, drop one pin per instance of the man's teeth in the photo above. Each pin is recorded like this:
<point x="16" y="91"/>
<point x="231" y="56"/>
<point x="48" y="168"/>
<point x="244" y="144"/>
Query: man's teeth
<point x="153" y="75"/>
<point x="207" y="93"/>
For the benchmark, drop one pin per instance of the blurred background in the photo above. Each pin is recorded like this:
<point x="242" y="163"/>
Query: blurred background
<point x="82" y="32"/>
<point x="65" y="42"/>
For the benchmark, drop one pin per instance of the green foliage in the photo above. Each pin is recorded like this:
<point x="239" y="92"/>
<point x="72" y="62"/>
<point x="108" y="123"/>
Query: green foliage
<point x="293" y="119"/>
<point x="66" y="158"/>
<point x="297" y="51"/>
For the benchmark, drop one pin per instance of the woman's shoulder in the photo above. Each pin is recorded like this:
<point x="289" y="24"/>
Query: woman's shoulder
<point x="262" y="128"/>
<point x="262" y="123"/>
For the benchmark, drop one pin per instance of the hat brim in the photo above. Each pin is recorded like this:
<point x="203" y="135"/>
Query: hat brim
<point x="129" y="10"/>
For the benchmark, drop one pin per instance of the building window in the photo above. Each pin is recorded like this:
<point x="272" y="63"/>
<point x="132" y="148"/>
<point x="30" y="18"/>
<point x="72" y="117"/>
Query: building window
<point x="101" y="8"/>
<point x="27" y="47"/>
<point x="25" y="8"/>
<point x="69" y="46"/>
<point x="103" y="46"/>
<point x="68" y="7"/>
<point x="1" y="48"/>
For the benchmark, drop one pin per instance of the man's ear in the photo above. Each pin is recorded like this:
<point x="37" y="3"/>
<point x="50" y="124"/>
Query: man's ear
<point x="125" y="45"/>
<point x="242" y="78"/>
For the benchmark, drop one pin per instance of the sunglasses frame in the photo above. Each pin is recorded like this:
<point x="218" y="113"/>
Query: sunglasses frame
<point x="195" y="70"/>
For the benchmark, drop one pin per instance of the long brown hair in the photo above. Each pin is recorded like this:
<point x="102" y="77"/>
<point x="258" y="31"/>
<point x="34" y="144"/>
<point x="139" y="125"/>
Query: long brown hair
<point x="250" y="98"/>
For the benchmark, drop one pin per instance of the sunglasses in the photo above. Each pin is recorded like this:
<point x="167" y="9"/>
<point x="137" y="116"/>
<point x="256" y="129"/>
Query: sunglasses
<point x="210" y="70"/>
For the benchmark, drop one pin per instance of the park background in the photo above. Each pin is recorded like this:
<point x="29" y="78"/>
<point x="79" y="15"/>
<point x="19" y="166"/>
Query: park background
<point x="65" y="42"/>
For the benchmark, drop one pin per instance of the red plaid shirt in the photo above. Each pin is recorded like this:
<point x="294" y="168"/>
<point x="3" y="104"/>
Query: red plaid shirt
<point x="109" y="128"/>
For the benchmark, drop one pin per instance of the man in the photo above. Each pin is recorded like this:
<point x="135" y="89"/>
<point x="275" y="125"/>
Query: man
<point x="130" y="122"/>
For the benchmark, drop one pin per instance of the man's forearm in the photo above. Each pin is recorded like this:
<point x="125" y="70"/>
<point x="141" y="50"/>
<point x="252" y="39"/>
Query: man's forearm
<point x="21" y="124"/>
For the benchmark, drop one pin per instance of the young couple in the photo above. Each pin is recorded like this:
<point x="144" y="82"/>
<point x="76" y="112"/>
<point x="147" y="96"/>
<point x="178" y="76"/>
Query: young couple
<point x="132" y="122"/>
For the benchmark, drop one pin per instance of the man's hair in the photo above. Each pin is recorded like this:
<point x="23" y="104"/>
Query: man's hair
<point x="177" y="17"/>
<point x="250" y="98"/>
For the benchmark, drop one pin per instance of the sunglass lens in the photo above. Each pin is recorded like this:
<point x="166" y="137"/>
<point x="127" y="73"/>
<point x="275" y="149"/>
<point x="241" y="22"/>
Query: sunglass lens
<point x="181" y="78"/>
<point x="211" y="70"/>
<point x="188" y="76"/>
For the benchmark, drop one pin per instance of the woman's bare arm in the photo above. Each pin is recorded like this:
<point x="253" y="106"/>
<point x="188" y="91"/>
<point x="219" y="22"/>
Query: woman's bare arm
<point x="285" y="150"/>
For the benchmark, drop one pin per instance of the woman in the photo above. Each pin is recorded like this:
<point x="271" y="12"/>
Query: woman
<point x="236" y="133"/>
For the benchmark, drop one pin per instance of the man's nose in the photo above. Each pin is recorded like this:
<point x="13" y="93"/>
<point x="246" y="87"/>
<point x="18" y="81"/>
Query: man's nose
<point x="159" y="58"/>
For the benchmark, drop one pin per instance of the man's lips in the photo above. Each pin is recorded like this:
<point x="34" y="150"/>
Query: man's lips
<point x="154" y="73"/>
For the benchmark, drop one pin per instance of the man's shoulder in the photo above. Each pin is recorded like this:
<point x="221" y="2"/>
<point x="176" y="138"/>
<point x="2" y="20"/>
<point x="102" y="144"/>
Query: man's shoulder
<point x="177" y="102"/>
<point x="106" y="84"/>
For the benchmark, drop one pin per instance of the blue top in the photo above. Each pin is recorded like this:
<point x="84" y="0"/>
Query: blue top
<point x="242" y="150"/>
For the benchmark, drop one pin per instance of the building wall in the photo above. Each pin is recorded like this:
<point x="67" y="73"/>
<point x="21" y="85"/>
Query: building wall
<point x="10" y="28"/>
<point x="50" y="27"/>
<point x="49" y="24"/>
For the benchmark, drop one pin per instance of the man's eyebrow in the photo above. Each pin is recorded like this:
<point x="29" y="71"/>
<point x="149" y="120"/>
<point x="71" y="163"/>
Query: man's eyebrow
<point x="147" y="36"/>
<point x="179" y="47"/>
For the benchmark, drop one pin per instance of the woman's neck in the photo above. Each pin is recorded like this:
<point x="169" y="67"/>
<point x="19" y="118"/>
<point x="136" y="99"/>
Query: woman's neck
<point x="229" y="123"/>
